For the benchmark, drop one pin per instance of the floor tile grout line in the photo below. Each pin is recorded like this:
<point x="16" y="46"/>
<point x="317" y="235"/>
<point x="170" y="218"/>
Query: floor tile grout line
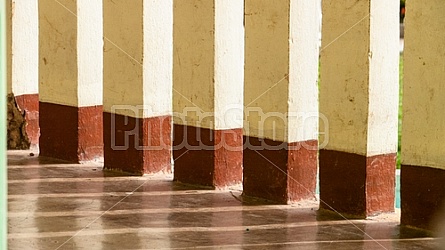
<point x="80" y="179"/>
<point x="292" y="243"/>
<point x="114" y="194"/>
<point x="147" y="211"/>
<point x="147" y="230"/>
<point x="43" y="166"/>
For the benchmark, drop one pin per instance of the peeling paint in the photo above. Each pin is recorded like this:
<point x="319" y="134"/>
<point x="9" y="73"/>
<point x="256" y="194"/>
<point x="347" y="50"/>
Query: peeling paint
<point x="16" y="122"/>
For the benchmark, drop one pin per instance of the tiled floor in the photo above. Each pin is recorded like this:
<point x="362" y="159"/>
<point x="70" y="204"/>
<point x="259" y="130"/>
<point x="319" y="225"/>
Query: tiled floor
<point x="53" y="205"/>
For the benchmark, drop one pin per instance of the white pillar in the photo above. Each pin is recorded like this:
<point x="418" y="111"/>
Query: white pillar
<point x="70" y="74"/>
<point x="281" y="99"/>
<point x="208" y="92"/>
<point x="359" y="97"/>
<point x="138" y="85"/>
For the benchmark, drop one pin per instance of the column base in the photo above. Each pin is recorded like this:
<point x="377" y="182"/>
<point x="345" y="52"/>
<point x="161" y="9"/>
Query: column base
<point x="422" y="195"/>
<point x="207" y="157"/>
<point x="137" y="145"/>
<point x="280" y="171"/>
<point x="71" y="133"/>
<point x="355" y="185"/>
<point x="30" y="105"/>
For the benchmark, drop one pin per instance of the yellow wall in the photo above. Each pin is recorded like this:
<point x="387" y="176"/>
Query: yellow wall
<point x="9" y="46"/>
<point x="123" y="55"/>
<point x="267" y="67"/>
<point x="424" y="90"/>
<point x="345" y="74"/>
<point x="58" y="52"/>
<point x="193" y="65"/>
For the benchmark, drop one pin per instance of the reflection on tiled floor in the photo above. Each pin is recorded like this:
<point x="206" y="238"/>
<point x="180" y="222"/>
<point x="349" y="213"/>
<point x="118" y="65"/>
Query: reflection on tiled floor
<point x="54" y="205"/>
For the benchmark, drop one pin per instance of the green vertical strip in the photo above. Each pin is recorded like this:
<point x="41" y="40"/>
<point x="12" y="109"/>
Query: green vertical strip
<point x="3" y="169"/>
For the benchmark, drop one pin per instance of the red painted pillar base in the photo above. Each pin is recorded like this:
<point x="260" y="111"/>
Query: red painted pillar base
<point x="30" y="105"/>
<point x="279" y="171"/>
<point x="356" y="185"/>
<point x="70" y="133"/>
<point x="137" y="145"/>
<point x="207" y="157"/>
<point x="422" y="195"/>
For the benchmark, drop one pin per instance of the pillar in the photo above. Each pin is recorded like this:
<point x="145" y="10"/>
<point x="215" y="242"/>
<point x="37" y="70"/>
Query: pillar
<point x="208" y="92"/>
<point x="16" y="123"/>
<point x="3" y="156"/>
<point x="423" y="162"/>
<point x="281" y="99"/>
<point x="359" y="97"/>
<point x="24" y="70"/>
<point x="70" y="75"/>
<point x="138" y="85"/>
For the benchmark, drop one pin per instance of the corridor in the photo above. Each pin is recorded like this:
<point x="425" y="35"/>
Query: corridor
<point x="56" y="205"/>
<point x="173" y="124"/>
